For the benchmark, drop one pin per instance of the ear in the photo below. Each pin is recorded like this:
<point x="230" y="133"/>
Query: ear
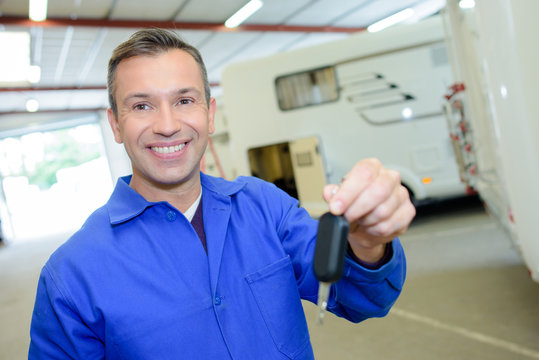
<point x="211" y="116"/>
<point x="115" y="126"/>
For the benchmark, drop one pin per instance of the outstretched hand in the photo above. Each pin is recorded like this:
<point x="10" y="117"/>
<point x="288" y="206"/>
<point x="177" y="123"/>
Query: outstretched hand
<point x="375" y="204"/>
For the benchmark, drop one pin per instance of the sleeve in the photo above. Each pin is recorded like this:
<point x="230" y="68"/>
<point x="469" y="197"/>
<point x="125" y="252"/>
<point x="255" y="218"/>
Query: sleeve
<point x="57" y="331"/>
<point x="361" y="293"/>
<point x="364" y="293"/>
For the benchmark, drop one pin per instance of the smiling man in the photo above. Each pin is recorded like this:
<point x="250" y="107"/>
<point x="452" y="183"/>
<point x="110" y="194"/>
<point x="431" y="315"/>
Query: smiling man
<point x="163" y="119"/>
<point x="181" y="265"/>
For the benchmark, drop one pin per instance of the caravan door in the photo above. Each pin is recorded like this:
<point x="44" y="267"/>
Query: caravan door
<point x="309" y="174"/>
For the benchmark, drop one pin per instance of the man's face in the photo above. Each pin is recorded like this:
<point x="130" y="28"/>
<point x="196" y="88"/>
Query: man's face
<point x="163" y="118"/>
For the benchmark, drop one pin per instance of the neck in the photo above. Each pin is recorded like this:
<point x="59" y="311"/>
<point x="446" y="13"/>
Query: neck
<point x="181" y="196"/>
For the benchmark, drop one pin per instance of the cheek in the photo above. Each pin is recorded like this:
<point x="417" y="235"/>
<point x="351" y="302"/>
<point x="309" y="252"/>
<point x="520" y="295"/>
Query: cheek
<point x="134" y="130"/>
<point x="199" y="123"/>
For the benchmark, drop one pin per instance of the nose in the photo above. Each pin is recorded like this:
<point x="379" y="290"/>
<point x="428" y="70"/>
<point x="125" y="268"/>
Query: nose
<point x="167" y="122"/>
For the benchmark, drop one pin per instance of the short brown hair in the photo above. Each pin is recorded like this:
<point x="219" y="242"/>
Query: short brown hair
<point x="151" y="42"/>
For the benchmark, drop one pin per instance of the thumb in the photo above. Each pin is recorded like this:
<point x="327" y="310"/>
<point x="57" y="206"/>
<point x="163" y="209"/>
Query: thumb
<point x="329" y="191"/>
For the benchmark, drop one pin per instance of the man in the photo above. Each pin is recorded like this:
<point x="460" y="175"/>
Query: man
<point x="181" y="265"/>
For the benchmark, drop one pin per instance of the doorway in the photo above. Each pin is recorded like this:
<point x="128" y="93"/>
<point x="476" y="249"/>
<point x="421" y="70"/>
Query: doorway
<point x="50" y="181"/>
<point x="297" y="167"/>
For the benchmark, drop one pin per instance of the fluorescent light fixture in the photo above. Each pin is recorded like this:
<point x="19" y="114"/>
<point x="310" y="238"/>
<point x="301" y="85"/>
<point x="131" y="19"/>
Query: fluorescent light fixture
<point x="34" y="74"/>
<point x="466" y="4"/>
<point x="32" y="105"/>
<point x="391" y="20"/>
<point x="37" y="10"/>
<point x="242" y="14"/>
<point x="425" y="9"/>
<point x="14" y="68"/>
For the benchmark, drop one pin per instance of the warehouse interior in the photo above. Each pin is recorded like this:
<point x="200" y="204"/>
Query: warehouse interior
<point x="471" y="290"/>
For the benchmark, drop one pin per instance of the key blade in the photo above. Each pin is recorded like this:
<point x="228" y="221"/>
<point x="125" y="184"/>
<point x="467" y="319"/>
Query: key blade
<point x="323" y="294"/>
<point x="320" y="317"/>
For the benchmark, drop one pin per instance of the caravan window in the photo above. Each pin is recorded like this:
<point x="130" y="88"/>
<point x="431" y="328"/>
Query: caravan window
<point x="307" y="88"/>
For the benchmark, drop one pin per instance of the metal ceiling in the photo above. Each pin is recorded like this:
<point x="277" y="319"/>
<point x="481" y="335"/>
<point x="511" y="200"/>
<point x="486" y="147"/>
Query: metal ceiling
<point x="73" y="45"/>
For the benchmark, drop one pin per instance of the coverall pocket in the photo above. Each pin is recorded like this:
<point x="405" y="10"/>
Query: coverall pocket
<point x="276" y="292"/>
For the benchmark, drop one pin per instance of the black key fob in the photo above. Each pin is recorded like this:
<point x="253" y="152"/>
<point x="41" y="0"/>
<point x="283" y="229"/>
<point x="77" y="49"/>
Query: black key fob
<point x="330" y="247"/>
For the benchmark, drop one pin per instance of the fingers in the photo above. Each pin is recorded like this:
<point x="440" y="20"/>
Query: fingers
<point x="362" y="238"/>
<point x="365" y="187"/>
<point x="386" y="209"/>
<point x="378" y="197"/>
<point x="373" y="201"/>
<point x="329" y="191"/>
<point x="394" y="225"/>
<point x="355" y="182"/>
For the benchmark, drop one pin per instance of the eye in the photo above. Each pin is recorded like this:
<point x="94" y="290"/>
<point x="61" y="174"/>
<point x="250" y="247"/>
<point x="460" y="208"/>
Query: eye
<point x="141" y="107"/>
<point x="185" y="101"/>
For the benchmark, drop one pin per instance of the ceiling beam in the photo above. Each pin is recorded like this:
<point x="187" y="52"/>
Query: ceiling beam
<point x="51" y="88"/>
<point x="65" y="88"/>
<point x="53" y="111"/>
<point x="111" y="23"/>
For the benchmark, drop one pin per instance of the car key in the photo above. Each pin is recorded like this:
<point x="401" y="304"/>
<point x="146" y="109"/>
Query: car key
<point x="329" y="254"/>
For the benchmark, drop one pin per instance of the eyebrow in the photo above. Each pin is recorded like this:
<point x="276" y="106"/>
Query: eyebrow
<point x="178" y="92"/>
<point x="188" y="90"/>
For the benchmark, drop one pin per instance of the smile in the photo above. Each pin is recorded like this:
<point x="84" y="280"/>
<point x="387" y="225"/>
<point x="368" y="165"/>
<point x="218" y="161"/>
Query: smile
<point x="167" y="149"/>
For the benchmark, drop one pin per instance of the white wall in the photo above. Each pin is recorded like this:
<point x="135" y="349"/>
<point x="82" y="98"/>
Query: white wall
<point x="119" y="162"/>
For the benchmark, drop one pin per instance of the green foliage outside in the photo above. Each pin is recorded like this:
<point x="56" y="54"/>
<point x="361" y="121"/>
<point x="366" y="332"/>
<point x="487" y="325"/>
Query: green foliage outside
<point x="64" y="152"/>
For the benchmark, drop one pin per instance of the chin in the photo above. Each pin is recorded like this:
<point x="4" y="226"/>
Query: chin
<point x="173" y="180"/>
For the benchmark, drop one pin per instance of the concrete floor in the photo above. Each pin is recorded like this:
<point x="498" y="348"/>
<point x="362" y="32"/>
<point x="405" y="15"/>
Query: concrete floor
<point x="467" y="296"/>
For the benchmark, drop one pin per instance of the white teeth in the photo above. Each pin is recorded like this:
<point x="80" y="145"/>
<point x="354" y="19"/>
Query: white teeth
<point x="167" y="149"/>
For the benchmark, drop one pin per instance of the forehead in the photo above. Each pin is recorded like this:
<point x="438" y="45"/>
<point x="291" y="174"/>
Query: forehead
<point x="167" y="58"/>
<point x="169" y="68"/>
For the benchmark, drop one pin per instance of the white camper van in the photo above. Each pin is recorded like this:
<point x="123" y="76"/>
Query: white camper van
<point x="493" y="112"/>
<point x="303" y="118"/>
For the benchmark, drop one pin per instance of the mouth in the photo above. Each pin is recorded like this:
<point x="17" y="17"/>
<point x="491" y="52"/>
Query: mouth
<point x="167" y="149"/>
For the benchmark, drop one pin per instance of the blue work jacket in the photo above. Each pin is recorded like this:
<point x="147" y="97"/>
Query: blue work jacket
<point x="135" y="282"/>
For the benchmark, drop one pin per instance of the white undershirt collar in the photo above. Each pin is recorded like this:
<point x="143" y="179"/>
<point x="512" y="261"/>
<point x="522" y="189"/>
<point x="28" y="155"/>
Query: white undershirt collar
<point x="189" y="213"/>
